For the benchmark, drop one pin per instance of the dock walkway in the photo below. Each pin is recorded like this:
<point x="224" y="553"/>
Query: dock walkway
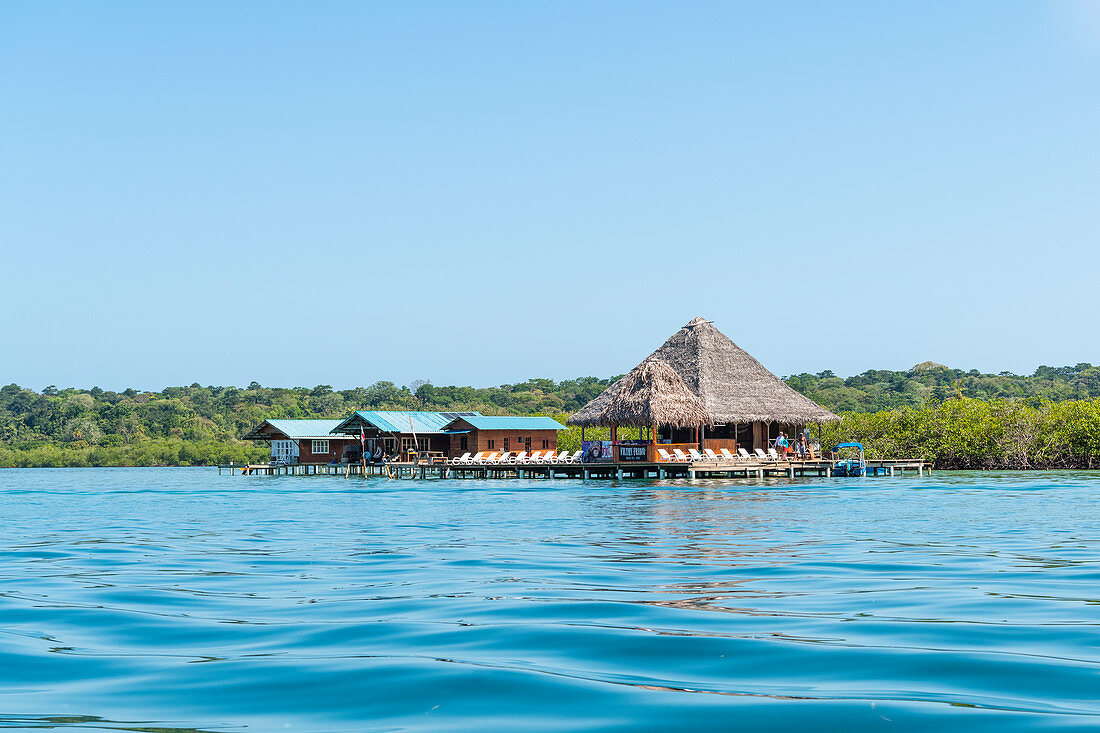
<point x="621" y="470"/>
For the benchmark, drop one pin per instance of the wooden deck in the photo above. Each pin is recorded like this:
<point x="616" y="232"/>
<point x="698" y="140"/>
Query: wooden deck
<point x="623" y="470"/>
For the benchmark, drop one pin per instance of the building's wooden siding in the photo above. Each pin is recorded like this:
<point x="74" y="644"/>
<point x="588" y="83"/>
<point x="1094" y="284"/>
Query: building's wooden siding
<point x="479" y="440"/>
<point x="459" y="444"/>
<point x="335" y="450"/>
<point x="516" y="440"/>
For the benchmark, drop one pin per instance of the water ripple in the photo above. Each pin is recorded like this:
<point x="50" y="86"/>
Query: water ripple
<point x="178" y="600"/>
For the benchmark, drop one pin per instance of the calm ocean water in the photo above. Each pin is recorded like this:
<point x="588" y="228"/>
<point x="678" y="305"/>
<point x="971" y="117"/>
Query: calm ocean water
<point x="177" y="599"/>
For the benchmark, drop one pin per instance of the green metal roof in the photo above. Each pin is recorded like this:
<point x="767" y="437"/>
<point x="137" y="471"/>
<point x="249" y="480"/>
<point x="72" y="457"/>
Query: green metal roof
<point x="510" y="422"/>
<point x="405" y="421"/>
<point x="299" y="429"/>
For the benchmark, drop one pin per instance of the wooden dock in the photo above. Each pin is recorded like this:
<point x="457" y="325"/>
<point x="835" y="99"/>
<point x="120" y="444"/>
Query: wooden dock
<point x="622" y="470"/>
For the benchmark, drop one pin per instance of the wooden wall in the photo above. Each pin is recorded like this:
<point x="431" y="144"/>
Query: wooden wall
<point x="335" y="450"/>
<point x="479" y="440"/>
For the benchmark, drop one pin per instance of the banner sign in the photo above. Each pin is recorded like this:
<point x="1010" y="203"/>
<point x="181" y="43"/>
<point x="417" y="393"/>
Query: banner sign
<point x="596" y="450"/>
<point x="633" y="450"/>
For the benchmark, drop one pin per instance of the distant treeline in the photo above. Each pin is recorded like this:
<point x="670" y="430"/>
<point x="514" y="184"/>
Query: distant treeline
<point x="874" y="391"/>
<point x="199" y="425"/>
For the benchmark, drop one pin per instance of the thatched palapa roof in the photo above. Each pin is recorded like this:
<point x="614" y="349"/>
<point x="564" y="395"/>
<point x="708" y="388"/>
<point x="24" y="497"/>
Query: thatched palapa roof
<point x="653" y="394"/>
<point x="733" y="386"/>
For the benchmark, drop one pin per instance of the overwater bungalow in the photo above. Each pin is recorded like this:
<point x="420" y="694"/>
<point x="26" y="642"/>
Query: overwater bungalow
<point x="403" y="432"/>
<point x="743" y="405"/>
<point x="473" y="433"/>
<point x="305" y="441"/>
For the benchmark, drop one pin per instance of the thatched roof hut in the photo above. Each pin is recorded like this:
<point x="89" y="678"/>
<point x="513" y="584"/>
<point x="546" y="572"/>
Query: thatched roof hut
<point x="653" y="394"/>
<point x="733" y="386"/>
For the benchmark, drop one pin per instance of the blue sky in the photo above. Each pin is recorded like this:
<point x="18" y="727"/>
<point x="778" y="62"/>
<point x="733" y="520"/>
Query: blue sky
<point x="479" y="193"/>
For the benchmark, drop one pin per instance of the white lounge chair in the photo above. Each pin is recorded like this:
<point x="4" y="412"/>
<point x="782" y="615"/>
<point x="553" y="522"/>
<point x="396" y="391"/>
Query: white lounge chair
<point x="505" y="457"/>
<point x="727" y="456"/>
<point x="490" y="457"/>
<point x="696" y="455"/>
<point x="547" y="457"/>
<point x="680" y="456"/>
<point x="773" y="455"/>
<point x="761" y="454"/>
<point x="711" y="455"/>
<point x="464" y="459"/>
<point x="743" y="454"/>
<point x="562" y="457"/>
<point x="575" y="458"/>
<point x="664" y="456"/>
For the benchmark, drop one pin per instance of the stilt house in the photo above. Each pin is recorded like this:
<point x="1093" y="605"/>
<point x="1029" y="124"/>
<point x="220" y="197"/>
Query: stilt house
<point x="305" y="441"/>
<point x="397" y="432"/>
<point x="744" y="404"/>
<point x="472" y="433"/>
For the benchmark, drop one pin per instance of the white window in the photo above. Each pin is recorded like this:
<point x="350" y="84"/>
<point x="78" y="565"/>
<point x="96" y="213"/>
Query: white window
<point x="320" y="446"/>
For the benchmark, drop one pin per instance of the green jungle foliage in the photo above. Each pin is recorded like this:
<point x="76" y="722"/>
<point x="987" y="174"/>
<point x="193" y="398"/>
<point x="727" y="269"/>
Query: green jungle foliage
<point x="199" y="425"/>
<point x="967" y="433"/>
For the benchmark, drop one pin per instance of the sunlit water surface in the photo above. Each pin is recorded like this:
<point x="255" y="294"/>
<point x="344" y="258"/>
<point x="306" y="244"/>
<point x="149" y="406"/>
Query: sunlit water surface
<point x="178" y="599"/>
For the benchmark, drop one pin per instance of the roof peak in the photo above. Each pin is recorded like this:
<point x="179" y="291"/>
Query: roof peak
<point x="732" y="385"/>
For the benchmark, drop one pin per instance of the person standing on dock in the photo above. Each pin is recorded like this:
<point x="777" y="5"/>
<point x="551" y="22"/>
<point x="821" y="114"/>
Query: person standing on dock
<point x="781" y="444"/>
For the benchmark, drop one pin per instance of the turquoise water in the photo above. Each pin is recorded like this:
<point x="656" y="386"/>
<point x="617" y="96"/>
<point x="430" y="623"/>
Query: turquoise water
<point x="150" y="599"/>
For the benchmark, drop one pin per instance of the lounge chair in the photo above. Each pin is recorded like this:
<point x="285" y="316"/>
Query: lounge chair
<point x="464" y="459"/>
<point x="490" y="457"/>
<point x="774" y="456"/>
<point x="664" y="456"/>
<point x="536" y="457"/>
<point x="728" y="456"/>
<point x="744" y="455"/>
<point x="505" y="457"/>
<point x="761" y="455"/>
<point x="696" y="455"/>
<point x="711" y="455"/>
<point x="562" y="457"/>
<point x="680" y="456"/>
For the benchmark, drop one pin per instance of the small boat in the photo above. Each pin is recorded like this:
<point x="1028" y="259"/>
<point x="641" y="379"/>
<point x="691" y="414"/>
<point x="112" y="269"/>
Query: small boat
<point x="851" y="461"/>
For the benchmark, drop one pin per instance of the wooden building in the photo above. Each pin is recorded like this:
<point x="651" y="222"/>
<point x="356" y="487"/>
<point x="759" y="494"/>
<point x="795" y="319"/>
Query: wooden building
<point x="402" y="432"/>
<point x="473" y="433"/>
<point x="745" y="404"/>
<point x="305" y="441"/>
